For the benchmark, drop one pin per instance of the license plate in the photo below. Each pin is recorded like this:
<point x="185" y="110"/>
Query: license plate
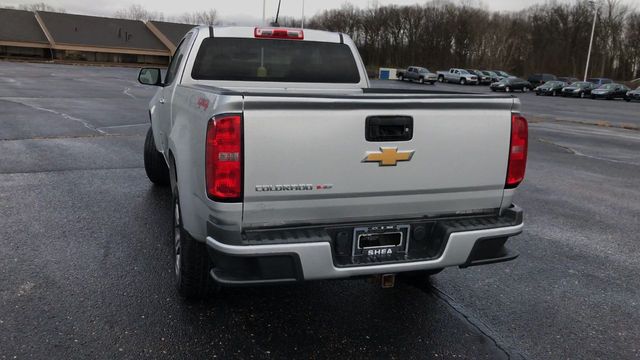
<point x="383" y="240"/>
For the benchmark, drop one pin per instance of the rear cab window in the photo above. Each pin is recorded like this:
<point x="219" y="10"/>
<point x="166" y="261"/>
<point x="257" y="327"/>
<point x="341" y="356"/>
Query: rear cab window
<point x="275" y="60"/>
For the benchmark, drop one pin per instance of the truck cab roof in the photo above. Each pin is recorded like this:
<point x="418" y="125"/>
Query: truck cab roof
<point x="250" y="32"/>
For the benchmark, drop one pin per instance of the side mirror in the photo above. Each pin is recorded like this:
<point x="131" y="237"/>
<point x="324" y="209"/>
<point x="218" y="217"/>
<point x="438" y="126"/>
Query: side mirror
<point x="150" y="76"/>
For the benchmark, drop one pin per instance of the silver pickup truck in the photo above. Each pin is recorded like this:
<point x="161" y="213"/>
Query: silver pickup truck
<point x="285" y="165"/>
<point x="416" y="73"/>
<point x="461" y="76"/>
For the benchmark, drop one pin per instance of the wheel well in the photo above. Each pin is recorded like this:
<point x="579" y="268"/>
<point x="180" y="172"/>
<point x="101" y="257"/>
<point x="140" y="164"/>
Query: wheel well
<point x="173" y="172"/>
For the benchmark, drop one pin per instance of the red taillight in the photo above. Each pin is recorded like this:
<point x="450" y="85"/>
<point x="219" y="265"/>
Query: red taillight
<point x="223" y="158"/>
<point x="517" y="151"/>
<point x="279" y="33"/>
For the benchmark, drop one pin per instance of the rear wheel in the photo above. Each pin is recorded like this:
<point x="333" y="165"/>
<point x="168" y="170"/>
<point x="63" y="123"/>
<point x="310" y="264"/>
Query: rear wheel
<point x="582" y="95"/>
<point x="401" y="78"/>
<point x="191" y="260"/>
<point x="154" y="164"/>
<point x="508" y="89"/>
<point x="441" y="78"/>
<point x="421" y="80"/>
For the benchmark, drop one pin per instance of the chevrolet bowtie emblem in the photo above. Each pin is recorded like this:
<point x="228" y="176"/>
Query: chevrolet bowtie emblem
<point x="388" y="156"/>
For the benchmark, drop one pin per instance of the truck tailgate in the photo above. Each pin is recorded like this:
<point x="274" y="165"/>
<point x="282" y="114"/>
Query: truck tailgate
<point x="303" y="157"/>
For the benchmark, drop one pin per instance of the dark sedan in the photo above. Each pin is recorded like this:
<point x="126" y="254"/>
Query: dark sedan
<point x="579" y="89"/>
<point x="482" y="78"/>
<point x="511" y="84"/>
<point x="502" y="74"/>
<point x="610" y="92"/>
<point x="494" y="77"/>
<point x="633" y="95"/>
<point x="540" y="79"/>
<point x="552" y="88"/>
<point x="600" y="81"/>
<point x="568" y="79"/>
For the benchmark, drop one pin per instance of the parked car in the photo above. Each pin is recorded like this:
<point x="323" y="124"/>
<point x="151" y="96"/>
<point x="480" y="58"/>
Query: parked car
<point x="633" y="94"/>
<point x="600" y="81"/>
<point x="483" y="79"/>
<point x="539" y="79"/>
<point x="419" y="74"/>
<point x="568" y="79"/>
<point x="502" y="74"/>
<point x="270" y="184"/>
<point x="579" y="89"/>
<point x="552" y="88"/>
<point x="511" y="84"/>
<point x="494" y="77"/>
<point x="461" y="76"/>
<point x="610" y="92"/>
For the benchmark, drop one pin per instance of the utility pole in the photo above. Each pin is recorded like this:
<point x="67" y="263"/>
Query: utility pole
<point x="593" y="30"/>
<point x="303" y="14"/>
<point x="264" y="11"/>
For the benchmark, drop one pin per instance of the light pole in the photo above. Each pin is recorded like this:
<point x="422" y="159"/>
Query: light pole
<point x="593" y="30"/>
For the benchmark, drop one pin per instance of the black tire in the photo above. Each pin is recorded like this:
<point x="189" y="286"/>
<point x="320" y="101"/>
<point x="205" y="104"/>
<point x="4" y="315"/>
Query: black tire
<point x="441" y="78"/>
<point x="191" y="260"/>
<point x="554" y="93"/>
<point x="463" y="81"/>
<point x="401" y="78"/>
<point x="627" y="99"/>
<point x="582" y="95"/>
<point x="154" y="163"/>
<point x="421" y="80"/>
<point x="508" y="89"/>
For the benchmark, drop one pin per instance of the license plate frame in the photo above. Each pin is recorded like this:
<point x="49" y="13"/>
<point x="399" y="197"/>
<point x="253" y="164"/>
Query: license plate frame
<point x="384" y="231"/>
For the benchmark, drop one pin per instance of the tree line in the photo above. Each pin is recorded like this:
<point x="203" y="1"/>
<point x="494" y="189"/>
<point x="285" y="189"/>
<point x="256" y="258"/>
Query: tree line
<point x="139" y="12"/>
<point x="551" y="38"/>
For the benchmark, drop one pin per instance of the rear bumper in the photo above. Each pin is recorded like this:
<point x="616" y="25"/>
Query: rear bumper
<point x="316" y="260"/>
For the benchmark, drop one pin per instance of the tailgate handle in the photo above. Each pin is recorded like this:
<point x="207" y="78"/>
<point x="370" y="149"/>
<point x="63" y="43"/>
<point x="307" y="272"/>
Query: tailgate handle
<point x="389" y="128"/>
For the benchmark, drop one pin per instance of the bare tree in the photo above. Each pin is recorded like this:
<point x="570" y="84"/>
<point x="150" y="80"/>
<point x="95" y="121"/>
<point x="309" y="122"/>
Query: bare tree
<point x="204" y="17"/>
<point x="41" y="6"/>
<point x="138" y="12"/>
<point x="438" y="34"/>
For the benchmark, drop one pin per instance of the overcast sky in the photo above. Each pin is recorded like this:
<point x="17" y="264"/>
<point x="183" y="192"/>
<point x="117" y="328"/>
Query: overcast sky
<point x="237" y="9"/>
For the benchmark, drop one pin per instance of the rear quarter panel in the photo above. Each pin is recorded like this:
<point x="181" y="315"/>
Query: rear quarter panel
<point x="192" y="108"/>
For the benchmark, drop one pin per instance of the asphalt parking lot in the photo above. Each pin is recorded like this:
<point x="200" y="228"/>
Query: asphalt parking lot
<point x="86" y="260"/>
